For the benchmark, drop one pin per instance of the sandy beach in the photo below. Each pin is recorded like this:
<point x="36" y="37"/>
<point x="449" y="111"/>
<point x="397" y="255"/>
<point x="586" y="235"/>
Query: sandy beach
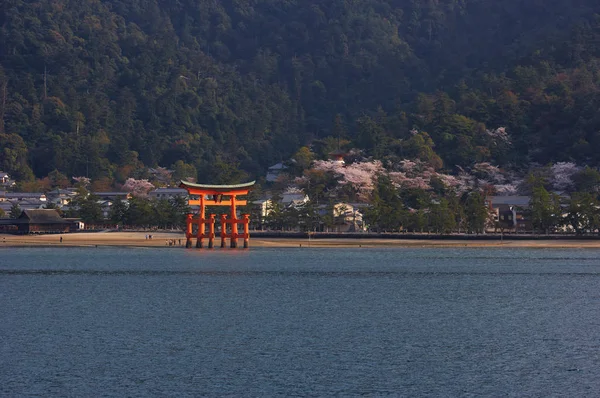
<point x="161" y="239"/>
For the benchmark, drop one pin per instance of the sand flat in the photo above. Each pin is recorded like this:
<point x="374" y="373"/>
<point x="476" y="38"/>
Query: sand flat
<point x="161" y="239"/>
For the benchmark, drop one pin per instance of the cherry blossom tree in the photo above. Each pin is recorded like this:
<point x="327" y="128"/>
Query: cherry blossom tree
<point x="488" y="172"/>
<point x="137" y="187"/>
<point x="162" y="174"/>
<point x="499" y="136"/>
<point x="506" y="189"/>
<point x="82" y="181"/>
<point x="562" y="175"/>
<point x="360" y="176"/>
<point x="413" y="174"/>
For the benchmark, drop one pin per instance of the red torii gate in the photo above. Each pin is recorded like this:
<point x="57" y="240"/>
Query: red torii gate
<point x="217" y="195"/>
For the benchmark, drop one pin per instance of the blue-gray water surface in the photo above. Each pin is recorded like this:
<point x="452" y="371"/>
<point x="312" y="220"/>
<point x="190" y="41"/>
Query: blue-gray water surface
<point x="89" y="322"/>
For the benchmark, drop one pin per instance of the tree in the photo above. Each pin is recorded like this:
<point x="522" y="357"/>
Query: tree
<point x="86" y="206"/>
<point x="441" y="219"/>
<point x="587" y="180"/>
<point x="58" y="179"/>
<point x="13" y="157"/>
<point x="359" y="177"/>
<point x="15" y="211"/>
<point x="248" y="86"/>
<point x="139" y="212"/>
<point x="546" y="212"/>
<point x="90" y="210"/>
<point x="275" y="218"/>
<point x="303" y="158"/>
<point x="476" y="212"/>
<point x="420" y="146"/>
<point x="308" y="217"/>
<point x="179" y="210"/>
<point x="457" y="210"/>
<point x="386" y="210"/>
<point x="118" y="211"/>
<point x="562" y="175"/>
<point x="162" y="212"/>
<point x="370" y="135"/>
<point x="415" y="220"/>
<point x="184" y="172"/>
<point x="138" y="188"/>
<point x="82" y="182"/>
<point x="583" y="214"/>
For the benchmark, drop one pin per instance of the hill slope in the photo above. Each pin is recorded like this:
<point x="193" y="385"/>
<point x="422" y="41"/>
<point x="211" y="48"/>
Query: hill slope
<point x="100" y="87"/>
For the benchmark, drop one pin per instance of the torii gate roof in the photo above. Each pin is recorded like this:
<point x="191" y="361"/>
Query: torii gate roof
<point x="216" y="188"/>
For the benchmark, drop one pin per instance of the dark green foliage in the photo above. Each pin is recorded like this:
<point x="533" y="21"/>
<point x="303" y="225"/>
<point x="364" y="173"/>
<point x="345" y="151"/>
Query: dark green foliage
<point x="583" y="214"/>
<point x="441" y="219"/>
<point x="587" y="180"/>
<point x="386" y="212"/>
<point x="15" y="211"/>
<point x="117" y="212"/>
<point x="85" y="206"/>
<point x="139" y="213"/>
<point x="93" y="88"/>
<point x="90" y="210"/>
<point x="546" y="212"/>
<point x="476" y="212"/>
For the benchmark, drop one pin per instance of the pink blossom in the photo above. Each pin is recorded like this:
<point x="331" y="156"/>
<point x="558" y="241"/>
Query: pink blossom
<point x="489" y="172"/>
<point x="83" y="181"/>
<point x="466" y="182"/>
<point x="417" y="183"/>
<point x="326" y="165"/>
<point x="499" y="136"/>
<point x="402" y="181"/>
<point x="562" y="175"/>
<point x="137" y="187"/>
<point x="505" y="189"/>
<point x="361" y="176"/>
<point x="409" y="166"/>
<point x="162" y="174"/>
<point x="449" y="181"/>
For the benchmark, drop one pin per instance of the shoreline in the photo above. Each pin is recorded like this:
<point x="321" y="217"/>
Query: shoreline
<point x="161" y="239"/>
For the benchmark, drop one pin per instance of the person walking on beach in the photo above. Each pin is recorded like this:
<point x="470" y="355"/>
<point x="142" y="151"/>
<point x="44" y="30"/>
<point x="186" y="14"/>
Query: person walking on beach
<point x="61" y="239"/>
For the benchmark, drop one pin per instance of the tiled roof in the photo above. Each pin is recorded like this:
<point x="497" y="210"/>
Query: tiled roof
<point x="509" y="200"/>
<point x="41" y="216"/>
<point x="180" y="191"/>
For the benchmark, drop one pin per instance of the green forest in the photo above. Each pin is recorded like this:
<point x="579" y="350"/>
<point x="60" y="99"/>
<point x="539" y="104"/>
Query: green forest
<point x="107" y="88"/>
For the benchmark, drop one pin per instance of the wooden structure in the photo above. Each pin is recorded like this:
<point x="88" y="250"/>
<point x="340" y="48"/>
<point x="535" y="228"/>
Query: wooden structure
<point x="217" y="195"/>
<point x="40" y="221"/>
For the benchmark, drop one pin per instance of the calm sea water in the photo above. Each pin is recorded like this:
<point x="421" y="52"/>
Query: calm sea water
<point x="299" y="322"/>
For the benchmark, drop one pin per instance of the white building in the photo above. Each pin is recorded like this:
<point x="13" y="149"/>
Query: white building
<point x="347" y="218"/>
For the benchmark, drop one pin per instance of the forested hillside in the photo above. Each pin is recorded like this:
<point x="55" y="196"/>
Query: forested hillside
<point x="104" y="87"/>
